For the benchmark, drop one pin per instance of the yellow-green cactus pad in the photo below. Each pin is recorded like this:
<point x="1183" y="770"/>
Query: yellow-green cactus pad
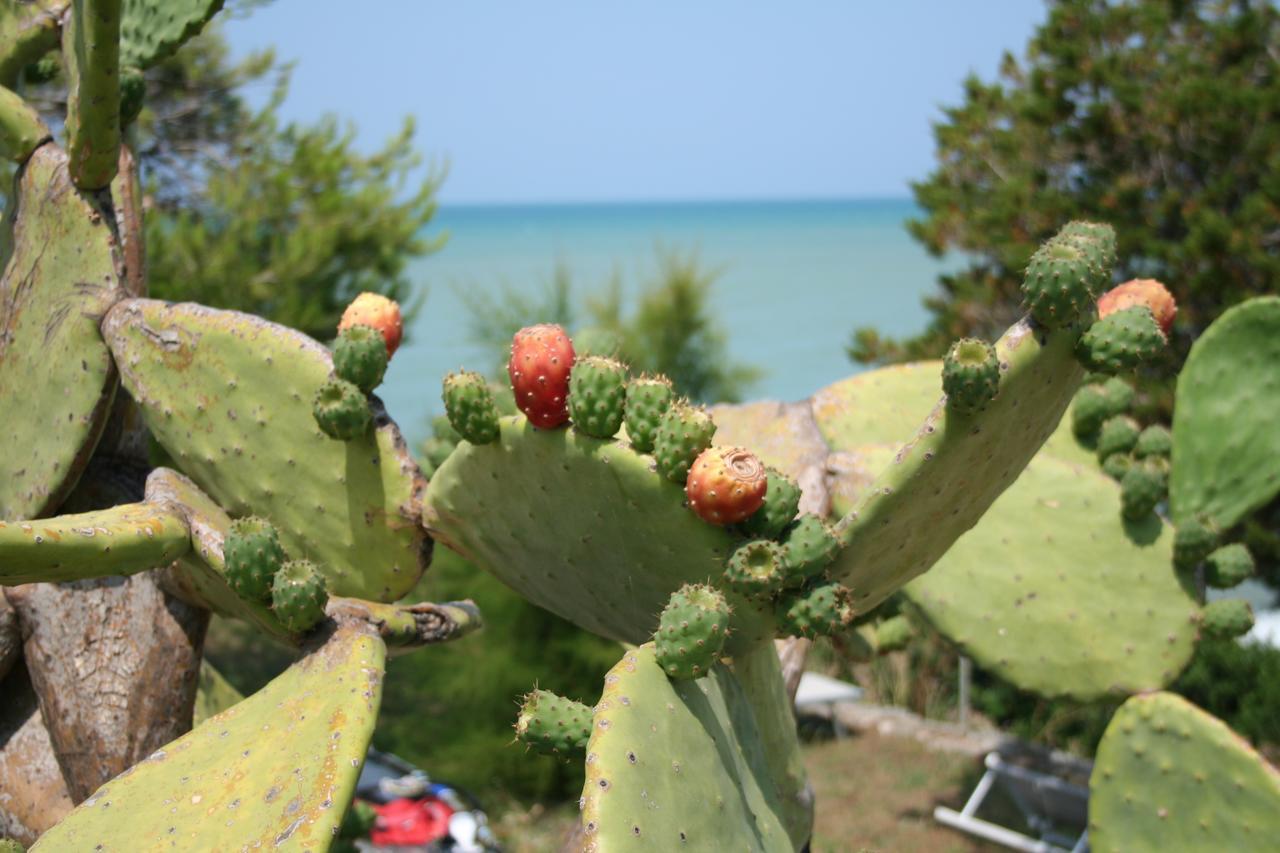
<point x="91" y="52"/>
<point x="21" y="129"/>
<point x="275" y="771"/>
<point x="229" y="396"/>
<point x="1050" y="592"/>
<point x="1168" y="776"/>
<point x="678" y="765"/>
<point x="56" y="376"/>
<point x="584" y="527"/>
<point x="1226" y="444"/>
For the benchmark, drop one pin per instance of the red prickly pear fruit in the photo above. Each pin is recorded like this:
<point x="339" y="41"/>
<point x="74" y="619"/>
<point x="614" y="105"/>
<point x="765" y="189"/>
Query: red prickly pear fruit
<point x="541" y="358"/>
<point x="726" y="485"/>
<point x="376" y="310"/>
<point x="1141" y="291"/>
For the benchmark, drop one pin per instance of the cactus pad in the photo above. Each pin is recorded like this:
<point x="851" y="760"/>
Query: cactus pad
<point x="781" y="503"/>
<point x="1169" y="776"/>
<point x="21" y="128"/>
<point x="151" y="30"/>
<point x="823" y="610"/>
<point x="229" y="397"/>
<point x="470" y="406"/>
<point x="1020" y="593"/>
<point x="678" y="765"/>
<point x="553" y="725"/>
<point x="91" y="51"/>
<point x="683" y="433"/>
<point x="597" y="395"/>
<point x="298" y="595"/>
<point x="1226" y="447"/>
<point x="757" y="569"/>
<point x="1228" y="566"/>
<point x="1227" y="618"/>
<point x="648" y="398"/>
<point x="62" y="276"/>
<point x="1121" y="341"/>
<point x="360" y="357"/>
<point x="277" y="769"/>
<point x="970" y="375"/>
<point x="252" y="554"/>
<point x="691" y="631"/>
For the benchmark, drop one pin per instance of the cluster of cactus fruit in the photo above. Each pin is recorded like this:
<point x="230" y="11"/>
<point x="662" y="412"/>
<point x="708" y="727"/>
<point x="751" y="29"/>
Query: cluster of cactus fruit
<point x="694" y="537"/>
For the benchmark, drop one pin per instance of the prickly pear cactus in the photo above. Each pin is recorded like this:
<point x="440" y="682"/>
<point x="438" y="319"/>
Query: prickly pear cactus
<point x="151" y="30"/>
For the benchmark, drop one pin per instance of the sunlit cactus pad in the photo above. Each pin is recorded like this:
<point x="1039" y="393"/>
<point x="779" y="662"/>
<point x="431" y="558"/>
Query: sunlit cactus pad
<point x="151" y="30"/>
<point x="1168" y="776"/>
<point x="1050" y="592"/>
<point x="229" y="396"/>
<point x="677" y="765"/>
<point x="274" y="771"/>
<point x="584" y="527"/>
<point x="1226" y="439"/>
<point x="55" y="371"/>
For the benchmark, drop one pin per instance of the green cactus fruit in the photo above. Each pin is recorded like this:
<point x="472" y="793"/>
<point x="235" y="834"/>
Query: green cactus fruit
<point x="1228" y="566"/>
<point x="817" y="611"/>
<point x="970" y="375"/>
<point x="683" y="433"/>
<point x="1117" y="465"/>
<point x="757" y="569"/>
<point x="1118" y="435"/>
<point x="781" y="503"/>
<point x="1155" y="440"/>
<point x="360" y="356"/>
<point x="597" y="395"/>
<point x="1089" y="410"/>
<point x="893" y="634"/>
<point x="1121" y="341"/>
<point x="1193" y="541"/>
<point x="298" y="595"/>
<point x="1100" y="235"/>
<point x="1142" y="487"/>
<point x="553" y="725"/>
<point x="691" y="631"/>
<point x="472" y="411"/>
<point x="252" y="555"/>
<point x="1060" y="284"/>
<point x="648" y="399"/>
<point x="1227" y="618"/>
<point x="133" y="91"/>
<point x="341" y="410"/>
<point x="1120" y="393"/>
<point x="809" y="548"/>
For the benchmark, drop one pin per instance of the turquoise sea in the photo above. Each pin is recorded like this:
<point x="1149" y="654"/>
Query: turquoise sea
<point x="795" y="279"/>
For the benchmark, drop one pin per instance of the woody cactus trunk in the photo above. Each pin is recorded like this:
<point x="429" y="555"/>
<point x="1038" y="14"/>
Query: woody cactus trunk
<point x="693" y="538"/>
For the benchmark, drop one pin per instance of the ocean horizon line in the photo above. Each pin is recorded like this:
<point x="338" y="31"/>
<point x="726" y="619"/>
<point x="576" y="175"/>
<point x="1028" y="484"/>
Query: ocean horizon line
<point x="780" y="201"/>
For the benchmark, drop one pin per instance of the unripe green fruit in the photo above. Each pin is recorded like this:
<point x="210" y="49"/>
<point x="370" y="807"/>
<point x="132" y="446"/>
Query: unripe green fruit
<point x="1060" y="284"/>
<point x="1142" y="488"/>
<point x="597" y="395"/>
<point x="683" y="433"/>
<point x="553" y="725"/>
<point x="1121" y="341"/>
<point x="1227" y="618"/>
<point x="691" y="631"/>
<point x="360" y="357"/>
<point x="1117" y="465"/>
<point x="341" y="410"/>
<point x="1155" y="440"/>
<point x="1118" y="435"/>
<point x="970" y="375"/>
<point x="816" y="611"/>
<point x="1193" y="541"/>
<point x="470" y="407"/>
<point x="298" y="596"/>
<point x="1100" y="234"/>
<point x="781" y="503"/>
<point x="756" y="569"/>
<point x="809" y="549"/>
<point x="1228" y="566"/>
<point x="252" y="555"/>
<point x="648" y="399"/>
<point x="893" y="634"/>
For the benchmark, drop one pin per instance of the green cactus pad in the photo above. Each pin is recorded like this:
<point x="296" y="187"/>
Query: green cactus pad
<point x="1117" y="465"/>
<point x="360" y="357"/>
<point x="1020" y="593"/>
<point x="27" y="32"/>
<point x="683" y="433"/>
<point x="584" y="527"/>
<point x="970" y="375"/>
<point x="1226" y="447"/>
<point x="597" y="395"/>
<point x="1143" y="487"/>
<point x="691" y="631"/>
<point x="553" y="725"/>
<point x="152" y="30"/>
<point x="252" y="555"/>
<point x="823" y="610"/>
<point x="883" y="406"/>
<point x="277" y="770"/>
<point x="298" y="595"/>
<point x="1228" y="566"/>
<point x="1194" y="540"/>
<point x="1061" y="283"/>
<point x="1168" y="776"/>
<point x="1118" y="435"/>
<point x="229" y="397"/>
<point x="893" y="634"/>
<point x="470" y="407"/>
<point x="1227" y="618"/>
<point x="1121" y="341"/>
<point x="214" y="694"/>
<point x="121" y="540"/>
<point x="341" y="410"/>
<point x="781" y="503"/>
<point x="133" y="94"/>
<point x="648" y="398"/>
<point x="21" y="128"/>
<point x="62" y="276"/>
<point x="679" y="765"/>
<point x="757" y="569"/>
<point x="809" y="549"/>
<point x="91" y="51"/>
<point x="942" y="481"/>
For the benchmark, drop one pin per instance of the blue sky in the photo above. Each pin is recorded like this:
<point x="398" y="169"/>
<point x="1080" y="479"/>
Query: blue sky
<point x="605" y="101"/>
